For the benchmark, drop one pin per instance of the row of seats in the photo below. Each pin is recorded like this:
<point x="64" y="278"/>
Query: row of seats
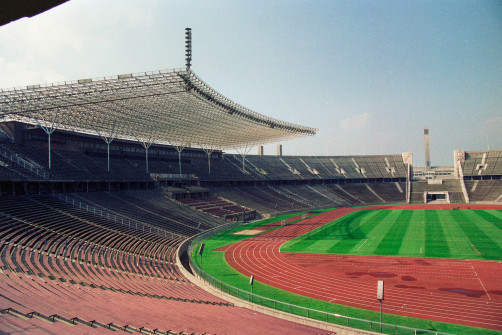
<point x="165" y="215"/>
<point x="76" y="165"/>
<point x="74" y="269"/>
<point x="93" y="166"/>
<point x="56" y="220"/>
<point x="215" y="206"/>
<point x="270" y="200"/>
<point x="482" y="163"/>
<point x="484" y="190"/>
<point x="305" y="167"/>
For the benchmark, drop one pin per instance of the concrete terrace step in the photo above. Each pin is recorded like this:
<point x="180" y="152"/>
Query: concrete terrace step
<point x="76" y="322"/>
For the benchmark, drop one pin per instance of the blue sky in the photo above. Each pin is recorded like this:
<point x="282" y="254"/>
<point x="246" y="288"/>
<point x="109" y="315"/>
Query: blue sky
<point x="369" y="74"/>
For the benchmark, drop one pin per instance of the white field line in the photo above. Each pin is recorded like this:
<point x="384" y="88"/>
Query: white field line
<point x="362" y="245"/>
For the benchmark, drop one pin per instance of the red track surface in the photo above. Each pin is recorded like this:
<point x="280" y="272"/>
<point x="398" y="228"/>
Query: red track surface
<point x="448" y="290"/>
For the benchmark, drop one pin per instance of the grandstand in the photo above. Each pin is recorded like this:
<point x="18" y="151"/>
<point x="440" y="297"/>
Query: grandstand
<point x="269" y="184"/>
<point x="80" y="234"/>
<point x="481" y="172"/>
<point x="89" y="232"/>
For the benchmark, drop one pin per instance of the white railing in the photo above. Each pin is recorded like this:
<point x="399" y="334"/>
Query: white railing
<point x="291" y="196"/>
<point x="123" y="220"/>
<point x="25" y="164"/>
<point x="173" y="176"/>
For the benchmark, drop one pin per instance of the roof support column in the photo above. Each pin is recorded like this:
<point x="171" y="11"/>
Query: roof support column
<point x="243" y="152"/>
<point x="108" y="139"/>
<point x="146" y="145"/>
<point x="48" y="130"/>
<point x="209" y="151"/>
<point x="179" y="149"/>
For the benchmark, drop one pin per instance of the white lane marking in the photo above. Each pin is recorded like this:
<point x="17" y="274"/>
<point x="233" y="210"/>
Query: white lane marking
<point x="362" y="245"/>
<point x="484" y="289"/>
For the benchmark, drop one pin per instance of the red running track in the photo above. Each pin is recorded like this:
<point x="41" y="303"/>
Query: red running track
<point x="449" y="290"/>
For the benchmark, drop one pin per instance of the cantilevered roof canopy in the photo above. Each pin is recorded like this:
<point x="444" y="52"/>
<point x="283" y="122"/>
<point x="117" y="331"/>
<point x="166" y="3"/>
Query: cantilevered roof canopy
<point x="14" y="10"/>
<point x="168" y="107"/>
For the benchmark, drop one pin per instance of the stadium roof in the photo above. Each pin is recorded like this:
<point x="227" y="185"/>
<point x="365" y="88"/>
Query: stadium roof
<point x="16" y="9"/>
<point x="168" y="107"/>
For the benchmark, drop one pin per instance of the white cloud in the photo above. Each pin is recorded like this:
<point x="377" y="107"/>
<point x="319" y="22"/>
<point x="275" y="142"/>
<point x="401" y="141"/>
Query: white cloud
<point x="356" y="122"/>
<point x="32" y="49"/>
<point x="69" y="42"/>
<point x="43" y="36"/>
<point x="15" y="74"/>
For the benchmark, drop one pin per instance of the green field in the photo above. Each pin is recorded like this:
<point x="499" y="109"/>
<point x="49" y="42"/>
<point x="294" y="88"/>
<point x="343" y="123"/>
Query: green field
<point x="475" y="234"/>
<point x="465" y="234"/>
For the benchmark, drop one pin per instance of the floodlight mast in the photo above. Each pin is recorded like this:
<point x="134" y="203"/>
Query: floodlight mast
<point x="188" y="47"/>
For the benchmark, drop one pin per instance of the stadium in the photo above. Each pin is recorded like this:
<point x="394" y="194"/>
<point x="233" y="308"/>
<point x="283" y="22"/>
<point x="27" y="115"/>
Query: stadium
<point x="122" y="212"/>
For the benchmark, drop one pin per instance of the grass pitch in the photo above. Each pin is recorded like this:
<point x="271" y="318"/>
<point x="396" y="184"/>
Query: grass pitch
<point x="442" y="233"/>
<point x="386" y="233"/>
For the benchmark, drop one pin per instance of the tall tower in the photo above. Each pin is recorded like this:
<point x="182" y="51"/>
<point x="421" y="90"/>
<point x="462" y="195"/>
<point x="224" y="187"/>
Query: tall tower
<point x="427" y="149"/>
<point x="188" y="47"/>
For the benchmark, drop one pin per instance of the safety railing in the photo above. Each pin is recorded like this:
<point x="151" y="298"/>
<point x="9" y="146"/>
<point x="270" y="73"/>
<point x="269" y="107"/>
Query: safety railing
<point x="137" y="225"/>
<point x="25" y="164"/>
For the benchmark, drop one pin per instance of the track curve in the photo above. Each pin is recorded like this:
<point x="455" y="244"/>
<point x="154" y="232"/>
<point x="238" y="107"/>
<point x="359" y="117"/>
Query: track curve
<point x="448" y="290"/>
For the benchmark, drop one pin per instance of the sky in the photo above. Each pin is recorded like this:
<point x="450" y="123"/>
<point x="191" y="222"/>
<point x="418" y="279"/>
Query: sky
<point x="370" y="75"/>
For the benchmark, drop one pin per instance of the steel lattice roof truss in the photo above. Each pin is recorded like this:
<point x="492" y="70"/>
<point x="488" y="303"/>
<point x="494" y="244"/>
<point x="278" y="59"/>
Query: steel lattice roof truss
<point x="172" y="107"/>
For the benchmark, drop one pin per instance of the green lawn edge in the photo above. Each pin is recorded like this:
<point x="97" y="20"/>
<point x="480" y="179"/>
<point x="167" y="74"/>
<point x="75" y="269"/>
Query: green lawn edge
<point x="214" y="263"/>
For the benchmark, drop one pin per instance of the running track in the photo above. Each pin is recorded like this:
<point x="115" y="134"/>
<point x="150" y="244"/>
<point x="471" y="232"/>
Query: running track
<point x="448" y="290"/>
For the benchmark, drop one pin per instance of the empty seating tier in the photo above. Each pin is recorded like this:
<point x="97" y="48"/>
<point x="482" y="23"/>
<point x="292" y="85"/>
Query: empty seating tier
<point x="64" y="269"/>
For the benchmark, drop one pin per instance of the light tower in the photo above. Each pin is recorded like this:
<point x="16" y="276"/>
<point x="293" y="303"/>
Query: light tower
<point x="188" y="47"/>
<point x="427" y="149"/>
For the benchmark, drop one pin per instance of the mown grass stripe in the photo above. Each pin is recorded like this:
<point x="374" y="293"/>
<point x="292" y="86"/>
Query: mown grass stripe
<point x="458" y="243"/>
<point x="333" y="231"/>
<point x="392" y="241"/>
<point x="487" y="226"/>
<point x="356" y="235"/>
<point x="379" y="231"/>
<point x="373" y="220"/>
<point x="435" y="241"/>
<point x="414" y="239"/>
<point x="481" y="242"/>
<point x="497" y="213"/>
<point x="491" y="218"/>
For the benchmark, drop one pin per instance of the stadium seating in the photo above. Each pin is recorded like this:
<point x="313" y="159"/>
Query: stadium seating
<point x="89" y="165"/>
<point x="478" y="164"/>
<point x="65" y="269"/>
<point x="452" y="186"/>
<point x="95" y="255"/>
<point x="484" y="190"/>
<point x="151" y="207"/>
<point x="215" y="206"/>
